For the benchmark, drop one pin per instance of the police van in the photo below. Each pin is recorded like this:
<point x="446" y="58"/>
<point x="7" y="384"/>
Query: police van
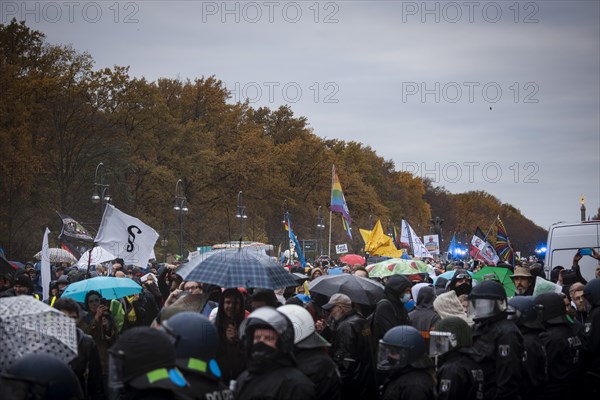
<point x="564" y="239"/>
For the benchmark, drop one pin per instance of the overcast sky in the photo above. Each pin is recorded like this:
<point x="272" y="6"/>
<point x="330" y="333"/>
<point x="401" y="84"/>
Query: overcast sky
<point x="495" y="96"/>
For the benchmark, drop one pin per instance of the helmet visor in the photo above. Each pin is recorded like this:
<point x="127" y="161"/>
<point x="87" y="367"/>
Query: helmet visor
<point x="485" y="308"/>
<point x="441" y="343"/>
<point x="391" y="356"/>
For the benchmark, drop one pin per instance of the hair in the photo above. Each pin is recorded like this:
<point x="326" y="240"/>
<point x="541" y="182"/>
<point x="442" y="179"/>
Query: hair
<point x="576" y="287"/>
<point x="88" y="295"/>
<point x="66" y="304"/>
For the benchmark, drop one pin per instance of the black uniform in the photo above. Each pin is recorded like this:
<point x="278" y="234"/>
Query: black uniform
<point x="459" y="377"/>
<point x="592" y="346"/>
<point x="563" y="350"/>
<point x="408" y="383"/>
<point x="322" y="371"/>
<point x="204" y="385"/>
<point x="498" y="349"/>
<point x="279" y="379"/>
<point x="535" y="365"/>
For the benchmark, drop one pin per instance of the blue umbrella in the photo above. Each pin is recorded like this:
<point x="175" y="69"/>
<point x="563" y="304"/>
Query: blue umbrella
<point x="241" y="267"/>
<point x="109" y="287"/>
<point x="448" y="275"/>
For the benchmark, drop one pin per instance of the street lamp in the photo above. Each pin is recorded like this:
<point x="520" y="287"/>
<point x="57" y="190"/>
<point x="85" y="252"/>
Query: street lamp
<point x="164" y="243"/>
<point x="180" y="207"/>
<point x="320" y="228"/>
<point x="101" y="190"/>
<point x="241" y="215"/>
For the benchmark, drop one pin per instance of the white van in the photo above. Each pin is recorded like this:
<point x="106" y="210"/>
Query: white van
<point x="564" y="239"/>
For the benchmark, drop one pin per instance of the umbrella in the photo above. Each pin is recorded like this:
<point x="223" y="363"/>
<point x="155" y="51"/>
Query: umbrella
<point x="353" y="259"/>
<point x="242" y="267"/>
<point x="109" y="287"/>
<point x="5" y="266"/>
<point x="57" y="255"/>
<point x="397" y="266"/>
<point x="184" y="270"/>
<point x="376" y="259"/>
<point x="99" y="255"/>
<point x="503" y="275"/>
<point x="360" y="290"/>
<point x="29" y="326"/>
<point x="448" y="275"/>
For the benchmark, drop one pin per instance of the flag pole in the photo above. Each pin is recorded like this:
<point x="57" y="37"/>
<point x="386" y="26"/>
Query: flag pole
<point x="330" y="197"/>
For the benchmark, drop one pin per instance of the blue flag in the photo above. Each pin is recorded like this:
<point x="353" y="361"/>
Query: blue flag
<point x="295" y="240"/>
<point x="453" y="246"/>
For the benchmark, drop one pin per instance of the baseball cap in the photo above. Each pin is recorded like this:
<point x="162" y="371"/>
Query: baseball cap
<point x="338" y="299"/>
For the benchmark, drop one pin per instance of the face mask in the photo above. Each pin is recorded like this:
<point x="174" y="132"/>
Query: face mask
<point x="465" y="288"/>
<point x="405" y="298"/>
<point x="261" y="352"/>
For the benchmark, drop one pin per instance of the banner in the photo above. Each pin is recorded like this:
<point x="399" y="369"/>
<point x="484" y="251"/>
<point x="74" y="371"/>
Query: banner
<point x="45" y="267"/>
<point x="432" y="244"/>
<point x="126" y="237"/>
<point x="409" y="236"/>
<point x="482" y="250"/>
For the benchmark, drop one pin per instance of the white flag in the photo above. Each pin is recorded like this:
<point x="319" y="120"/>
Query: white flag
<point x="126" y="237"/>
<point x="408" y="235"/>
<point x="45" y="266"/>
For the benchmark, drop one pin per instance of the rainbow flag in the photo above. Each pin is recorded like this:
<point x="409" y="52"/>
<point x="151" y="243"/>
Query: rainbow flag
<point x="338" y="202"/>
<point x="503" y="245"/>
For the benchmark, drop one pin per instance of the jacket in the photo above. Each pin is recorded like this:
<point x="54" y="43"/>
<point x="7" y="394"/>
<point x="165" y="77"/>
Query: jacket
<point x="408" y="383"/>
<point x="352" y="352"/>
<point x="459" y="377"/>
<point x="322" y="371"/>
<point x="498" y="349"/>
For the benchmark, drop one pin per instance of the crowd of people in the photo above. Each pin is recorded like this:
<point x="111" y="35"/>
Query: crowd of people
<point x="425" y="338"/>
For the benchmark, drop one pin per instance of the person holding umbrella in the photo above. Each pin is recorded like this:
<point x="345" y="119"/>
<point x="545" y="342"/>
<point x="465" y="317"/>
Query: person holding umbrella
<point x="100" y="325"/>
<point x="390" y="311"/>
<point x="352" y="348"/>
<point x="87" y="363"/>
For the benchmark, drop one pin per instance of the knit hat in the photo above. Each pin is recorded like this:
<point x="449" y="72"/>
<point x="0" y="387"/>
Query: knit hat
<point x="23" y="280"/>
<point x="448" y="305"/>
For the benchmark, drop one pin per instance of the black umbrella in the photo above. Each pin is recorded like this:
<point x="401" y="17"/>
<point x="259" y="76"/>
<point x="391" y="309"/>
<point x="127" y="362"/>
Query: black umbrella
<point x="360" y="290"/>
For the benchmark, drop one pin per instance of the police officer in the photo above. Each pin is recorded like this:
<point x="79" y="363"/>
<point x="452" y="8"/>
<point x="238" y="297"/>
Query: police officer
<point x="591" y="292"/>
<point x="310" y="352"/>
<point x="527" y="316"/>
<point x="196" y="343"/>
<point x="142" y="365"/>
<point x="271" y="368"/>
<point x="497" y="342"/>
<point x="39" y="376"/>
<point x="563" y="348"/>
<point x="408" y="370"/>
<point x="458" y="375"/>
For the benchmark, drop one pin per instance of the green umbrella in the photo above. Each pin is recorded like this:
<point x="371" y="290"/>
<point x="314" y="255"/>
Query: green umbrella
<point x="397" y="266"/>
<point x="502" y="274"/>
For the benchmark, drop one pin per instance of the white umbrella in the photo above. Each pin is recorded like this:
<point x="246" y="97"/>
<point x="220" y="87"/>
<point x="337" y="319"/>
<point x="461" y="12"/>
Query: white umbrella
<point x="57" y="255"/>
<point x="29" y="326"/>
<point x="98" y="254"/>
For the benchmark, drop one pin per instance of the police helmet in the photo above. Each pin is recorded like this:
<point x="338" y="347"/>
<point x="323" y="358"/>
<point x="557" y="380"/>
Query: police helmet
<point x="401" y="346"/>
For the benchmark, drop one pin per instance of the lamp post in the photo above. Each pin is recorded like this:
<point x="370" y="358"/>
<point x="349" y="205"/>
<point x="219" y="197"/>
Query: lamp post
<point x="180" y="208"/>
<point x="241" y="215"/>
<point x="320" y="228"/>
<point x="101" y="190"/>
<point x="164" y="242"/>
